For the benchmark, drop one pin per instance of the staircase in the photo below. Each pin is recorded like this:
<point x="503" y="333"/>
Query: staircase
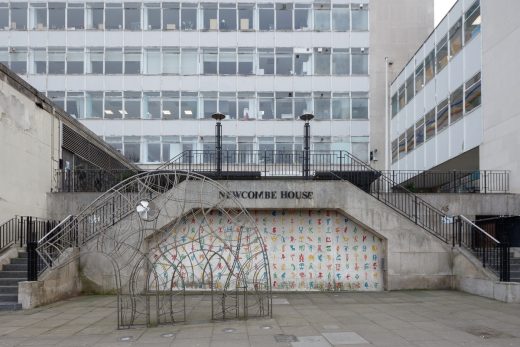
<point x="515" y="268"/>
<point x="10" y="275"/>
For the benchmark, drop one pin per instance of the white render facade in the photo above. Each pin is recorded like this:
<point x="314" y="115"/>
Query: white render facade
<point x="146" y="76"/>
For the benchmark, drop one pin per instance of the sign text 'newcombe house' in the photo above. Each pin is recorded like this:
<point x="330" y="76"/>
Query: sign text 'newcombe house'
<point x="265" y="194"/>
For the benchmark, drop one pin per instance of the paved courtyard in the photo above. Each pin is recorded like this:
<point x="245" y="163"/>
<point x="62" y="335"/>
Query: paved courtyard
<point x="406" y="318"/>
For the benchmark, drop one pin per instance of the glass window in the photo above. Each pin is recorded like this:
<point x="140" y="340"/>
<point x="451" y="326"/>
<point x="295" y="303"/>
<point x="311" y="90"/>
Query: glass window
<point x="113" y="61"/>
<point x="419" y="132"/>
<point x="170" y="16"/>
<point x="116" y="142"/>
<point x="132" y="148"/>
<point x="472" y="23"/>
<point x="360" y="148"/>
<point x="302" y="17"/>
<point x="75" y="104"/>
<point x="39" y="57"/>
<point x="227" y="64"/>
<point x="132" y="16"/>
<point x="340" y="18"/>
<point x="227" y="17"/>
<point x="429" y="67"/>
<point x="341" y="107"/>
<point x="359" y="107"/>
<point x="56" y="15"/>
<point x="473" y="93"/>
<point x="246" y="106"/>
<point x="284" y="13"/>
<point x="152" y="105"/>
<point x="189" y="62"/>
<point x="113" y="105"/>
<point x="114" y="16"/>
<point x="171" y="61"/>
<point x="209" y="60"/>
<point x="189" y="17"/>
<point x="4" y="16"/>
<point x="95" y="18"/>
<point x="394" y="151"/>
<point x="265" y="106"/>
<point x="456" y="38"/>
<point x="360" y="17"/>
<point x="266" y="17"/>
<point x="245" y="16"/>
<point x="152" y="16"/>
<point x="402" y="97"/>
<point x="153" y="61"/>
<point x="170" y="105"/>
<point x="209" y="16"/>
<point x="321" y="61"/>
<point x="95" y="65"/>
<point x="410" y="88"/>
<point x="395" y="105"/>
<point x="410" y="139"/>
<point x="170" y="147"/>
<point x="94" y="105"/>
<point x="153" y="149"/>
<point x="442" y="116"/>
<point x="75" y="61"/>
<point x="456" y="105"/>
<point x="322" y="106"/>
<point x="56" y="61"/>
<point x="38" y="16"/>
<point x="302" y="62"/>
<point x="18" y="16"/>
<point x="209" y="104"/>
<point x="340" y="61"/>
<point x="284" y="106"/>
<point x="132" y="61"/>
<point x="419" y="78"/>
<point x="227" y="104"/>
<point x="430" y="124"/>
<point x="442" y="53"/>
<point x="322" y="17"/>
<point x="76" y="16"/>
<point x="245" y="61"/>
<point x="189" y="106"/>
<point x="265" y="61"/>
<point x="57" y="98"/>
<point x="132" y="109"/>
<point x="360" y="61"/>
<point x="284" y="61"/>
<point x="302" y="104"/>
<point x="402" y="146"/>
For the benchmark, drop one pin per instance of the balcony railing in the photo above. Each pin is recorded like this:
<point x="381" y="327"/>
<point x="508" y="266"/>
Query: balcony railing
<point x="71" y="181"/>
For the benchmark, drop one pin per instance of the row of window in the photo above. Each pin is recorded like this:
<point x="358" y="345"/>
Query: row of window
<point x="451" y="44"/>
<point x="462" y="101"/>
<point x="187" y="61"/>
<point x="183" y="16"/>
<point x="155" y="149"/>
<point x="192" y="105"/>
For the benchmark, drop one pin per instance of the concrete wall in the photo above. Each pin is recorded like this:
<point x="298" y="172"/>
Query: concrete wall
<point x="397" y="28"/>
<point x="500" y="86"/>
<point x="29" y="154"/>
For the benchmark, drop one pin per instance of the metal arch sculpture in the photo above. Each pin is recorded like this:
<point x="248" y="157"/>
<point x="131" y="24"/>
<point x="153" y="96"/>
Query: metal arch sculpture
<point x="155" y="233"/>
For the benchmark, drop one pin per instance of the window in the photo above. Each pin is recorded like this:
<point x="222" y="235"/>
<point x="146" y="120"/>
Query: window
<point x="456" y="38"/>
<point x="340" y="61"/>
<point x="58" y="98"/>
<point x="56" y="15"/>
<point x="340" y="18"/>
<point x="246" y="106"/>
<point x="113" y="105"/>
<point x="228" y="17"/>
<point x="322" y="17"/>
<point x="4" y="16"/>
<point x="265" y="61"/>
<point x="284" y="13"/>
<point x="170" y="147"/>
<point x="410" y="139"/>
<point x="442" y="53"/>
<point x="170" y="16"/>
<point x="95" y="16"/>
<point x="430" y="124"/>
<point x="132" y="148"/>
<point x="189" y="103"/>
<point x="473" y="93"/>
<point x="153" y="149"/>
<point x="209" y="104"/>
<point x="302" y="62"/>
<point x="132" y="16"/>
<point x="359" y="106"/>
<point x="322" y="61"/>
<point x="360" y="17"/>
<point x="245" y="16"/>
<point x="75" y="104"/>
<point x="360" y="148"/>
<point x="209" y="61"/>
<point x="419" y="132"/>
<point x="113" y="61"/>
<point x="38" y="16"/>
<point x="419" y="78"/>
<point x="227" y="61"/>
<point x="132" y="108"/>
<point x="402" y="146"/>
<point x="227" y="104"/>
<point x="189" y="62"/>
<point x="302" y="17"/>
<point x="18" y="16"/>
<point x="456" y="105"/>
<point x="245" y="61"/>
<point x="209" y="16"/>
<point x="94" y="105"/>
<point x="402" y="97"/>
<point x="341" y="106"/>
<point x="410" y="88"/>
<point x="113" y="16"/>
<point x="171" y="61"/>
<point x="302" y="104"/>
<point x="265" y="106"/>
<point x="472" y="23"/>
<point x="394" y="151"/>
<point x="39" y="57"/>
<point x="132" y="61"/>
<point x="152" y="16"/>
<point x="284" y="106"/>
<point x="95" y="61"/>
<point x="152" y="105"/>
<point x="115" y="141"/>
<point x="360" y="61"/>
<point x="266" y="17"/>
<point x="284" y="61"/>
<point x="56" y="58"/>
<point x="170" y="105"/>
<point x="322" y="106"/>
<point x="429" y="67"/>
<point x="75" y="16"/>
<point x="153" y="61"/>
<point x="442" y="116"/>
<point x="189" y="16"/>
<point x="395" y="105"/>
<point x="75" y="62"/>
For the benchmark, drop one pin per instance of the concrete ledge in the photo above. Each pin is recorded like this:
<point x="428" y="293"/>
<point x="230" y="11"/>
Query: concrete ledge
<point x="7" y="255"/>
<point x="502" y="291"/>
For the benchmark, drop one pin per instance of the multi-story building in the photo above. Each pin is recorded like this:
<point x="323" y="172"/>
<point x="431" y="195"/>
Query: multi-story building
<point x="452" y="106"/>
<point x="148" y="75"/>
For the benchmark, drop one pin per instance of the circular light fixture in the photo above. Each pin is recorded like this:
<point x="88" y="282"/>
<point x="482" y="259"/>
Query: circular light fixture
<point x="306" y="117"/>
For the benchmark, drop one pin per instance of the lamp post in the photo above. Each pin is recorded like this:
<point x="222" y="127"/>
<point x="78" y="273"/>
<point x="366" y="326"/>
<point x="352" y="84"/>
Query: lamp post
<point x="218" y="139"/>
<point x="306" y="143"/>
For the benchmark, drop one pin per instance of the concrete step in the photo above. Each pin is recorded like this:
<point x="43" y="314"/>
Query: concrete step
<point x="11" y="281"/>
<point x="22" y="255"/>
<point x="8" y="297"/>
<point x="15" y="267"/>
<point x="9" y="289"/>
<point x="13" y="274"/>
<point x="19" y="261"/>
<point x="10" y="306"/>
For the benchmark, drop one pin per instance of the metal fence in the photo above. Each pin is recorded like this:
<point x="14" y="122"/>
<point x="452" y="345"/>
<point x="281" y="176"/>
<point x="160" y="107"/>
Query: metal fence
<point x="89" y="180"/>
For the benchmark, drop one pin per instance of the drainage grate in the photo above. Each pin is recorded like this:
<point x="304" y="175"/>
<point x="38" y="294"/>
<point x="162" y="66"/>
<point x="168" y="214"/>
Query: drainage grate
<point x="285" y="338"/>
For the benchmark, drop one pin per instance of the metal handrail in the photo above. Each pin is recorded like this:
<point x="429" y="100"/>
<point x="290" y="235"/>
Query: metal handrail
<point x="55" y="228"/>
<point x="479" y="228"/>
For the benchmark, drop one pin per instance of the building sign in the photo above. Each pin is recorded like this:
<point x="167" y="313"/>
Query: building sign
<point x="267" y="194"/>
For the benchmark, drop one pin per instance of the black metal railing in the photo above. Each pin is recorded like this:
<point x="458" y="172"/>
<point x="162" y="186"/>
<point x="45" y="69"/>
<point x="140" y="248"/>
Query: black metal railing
<point x="89" y="180"/>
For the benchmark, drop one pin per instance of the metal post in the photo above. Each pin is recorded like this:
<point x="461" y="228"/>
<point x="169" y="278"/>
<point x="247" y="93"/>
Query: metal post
<point x="505" y="273"/>
<point x="32" y="268"/>
<point x="218" y="139"/>
<point x="306" y="144"/>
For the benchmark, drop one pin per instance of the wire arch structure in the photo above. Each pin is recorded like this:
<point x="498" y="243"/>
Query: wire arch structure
<point x="158" y="245"/>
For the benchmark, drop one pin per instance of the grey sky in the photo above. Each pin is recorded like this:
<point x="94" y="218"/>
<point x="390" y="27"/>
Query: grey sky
<point x="441" y="8"/>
